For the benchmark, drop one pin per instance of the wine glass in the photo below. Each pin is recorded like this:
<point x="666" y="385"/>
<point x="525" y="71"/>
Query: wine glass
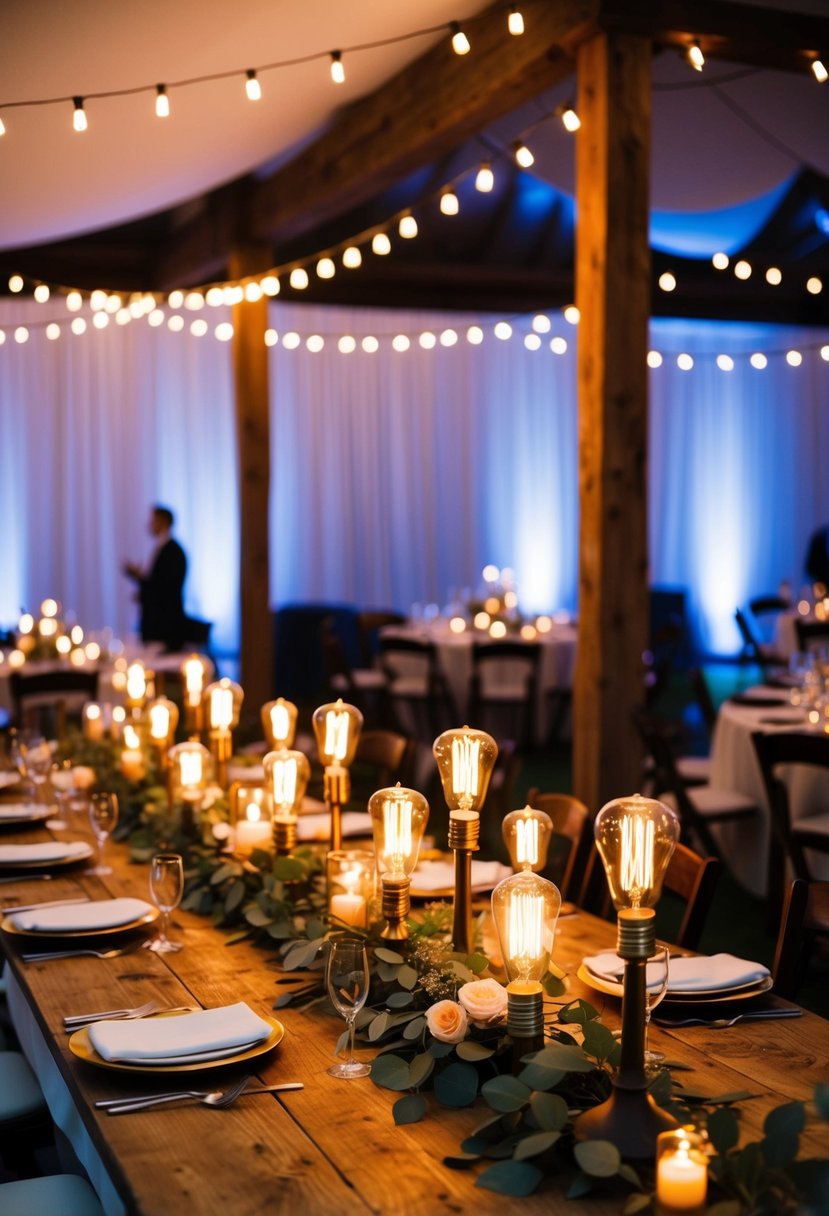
<point x="347" y="980"/>
<point x="166" y="888"/>
<point x="103" y="816"/>
<point x="656" y="985"/>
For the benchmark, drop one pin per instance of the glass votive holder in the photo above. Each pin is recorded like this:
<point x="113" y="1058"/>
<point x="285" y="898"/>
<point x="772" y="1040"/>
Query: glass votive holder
<point x="681" y="1172"/>
<point x="350" y="878"/>
<point x="251" y="816"/>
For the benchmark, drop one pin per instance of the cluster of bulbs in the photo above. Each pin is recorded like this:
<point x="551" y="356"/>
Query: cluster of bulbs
<point x="743" y="271"/>
<point x="251" y="76"/>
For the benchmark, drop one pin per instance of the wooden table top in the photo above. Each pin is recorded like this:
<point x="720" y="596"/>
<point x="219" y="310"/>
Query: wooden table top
<point x="332" y="1147"/>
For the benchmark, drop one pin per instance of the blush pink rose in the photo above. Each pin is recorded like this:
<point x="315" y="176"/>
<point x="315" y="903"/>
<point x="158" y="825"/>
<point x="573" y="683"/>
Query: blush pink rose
<point x="484" y="1000"/>
<point x="447" y="1021"/>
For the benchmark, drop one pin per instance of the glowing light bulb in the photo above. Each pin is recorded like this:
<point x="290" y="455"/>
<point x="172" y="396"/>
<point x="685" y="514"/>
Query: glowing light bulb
<point x="299" y="278"/>
<point x="252" y="86"/>
<point x="465" y="760"/>
<point x="286" y="778"/>
<point x="742" y="269"/>
<point x="407" y="227"/>
<point x="42" y="293"/>
<point x="570" y="119"/>
<point x="460" y="42"/>
<point x="326" y="268"/>
<point x="774" y="276"/>
<point x="720" y="261"/>
<point x="279" y="723"/>
<point x="224" y="702"/>
<point x="380" y="244"/>
<point x="79" y="115"/>
<point x="449" y="204"/>
<point x="485" y="178"/>
<point x="337" y="68"/>
<point x="525" y="909"/>
<point x="337" y="729"/>
<point x="636" y="838"/>
<point x="695" y="57"/>
<point x="523" y="155"/>
<point x="352" y="258"/>
<point x="74" y="301"/>
<point x="515" y="21"/>
<point x="162" y="102"/>
<point x="398" y="820"/>
<point x="16" y="283"/>
<point x="819" y="71"/>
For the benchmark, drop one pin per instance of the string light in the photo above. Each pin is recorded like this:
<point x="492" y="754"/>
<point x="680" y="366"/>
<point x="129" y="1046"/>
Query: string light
<point x="667" y="281"/>
<point x="380" y="244"/>
<point x="541" y="323"/>
<point x="485" y="178"/>
<point x="725" y="363"/>
<point x="2" y="127"/>
<point x="474" y="335"/>
<point x="79" y="114"/>
<point x="758" y="361"/>
<point x="503" y="330"/>
<point x="407" y="226"/>
<point x="695" y="57"/>
<point x="572" y="315"/>
<point x="352" y="258"/>
<point x="299" y="278"/>
<point x="819" y="71"/>
<point x="558" y="346"/>
<point x="523" y="155"/>
<point x="742" y="270"/>
<point x="337" y="68"/>
<point x="42" y="293"/>
<point x="21" y="335"/>
<point x="569" y="118"/>
<point x="460" y="42"/>
<point x="16" y="283"/>
<point x="252" y="86"/>
<point x="326" y="268"/>
<point x="162" y="102"/>
<point x="515" y="21"/>
<point x="774" y="276"/>
<point x="654" y="359"/>
<point x="814" y="286"/>
<point x="74" y="301"/>
<point x="449" y="204"/>
<point x="720" y="261"/>
<point x="794" y="358"/>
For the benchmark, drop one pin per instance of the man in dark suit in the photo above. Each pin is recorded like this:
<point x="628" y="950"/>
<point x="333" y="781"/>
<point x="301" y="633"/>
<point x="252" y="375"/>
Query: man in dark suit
<point x="160" y="585"/>
<point x="817" y="559"/>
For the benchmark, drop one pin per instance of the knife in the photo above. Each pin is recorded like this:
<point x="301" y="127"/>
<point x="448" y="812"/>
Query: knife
<point x="54" y="903"/>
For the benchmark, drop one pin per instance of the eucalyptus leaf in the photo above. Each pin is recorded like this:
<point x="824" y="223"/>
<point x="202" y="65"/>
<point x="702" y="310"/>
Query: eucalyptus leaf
<point x="364" y="1016"/>
<point x="781" y="1149"/>
<point x="531" y="1146"/>
<point x="388" y="956"/>
<point x="399" y="1000"/>
<point x="636" y="1203"/>
<point x="378" y="1027"/>
<point x="550" y="1110"/>
<point x="723" y="1131"/>
<point x="599" y="1158"/>
<point x="457" y="1085"/>
<point x="581" y="1012"/>
<point x="513" y="1178"/>
<point x="315" y="929"/>
<point x="439" y="1049"/>
<point x="255" y="915"/>
<point x="235" y="896"/>
<point x="563" y="1056"/>
<point x="582" y="1184"/>
<point x="537" y="1076"/>
<point x="629" y="1174"/>
<point x="240" y="936"/>
<point x="461" y="971"/>
<point x="477" y="963"/>
<point x="421" y="1069"/>
<point x="474" y="1146"/>
<point x="387" y="972"/>
<point x="505" y="1093"/>
<point x="288" y="869"/>
<point x="410" y="1109"/>
<point x="407" y="977"/>
<point x="553" y="986"/>
<point x="390" y="1072"/>
<point x="414" y="1029"/>
<point x="229" y="870"/>
<point x="280" y="930"/>
<point x="302" y="954"/>
<point x="598" y="1040"/>
<point x="785" y="1120"/>
<point x="469" y="1049"/>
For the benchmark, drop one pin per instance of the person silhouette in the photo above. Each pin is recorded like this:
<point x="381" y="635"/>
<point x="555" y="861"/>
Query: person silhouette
<point x="161" y="584"/>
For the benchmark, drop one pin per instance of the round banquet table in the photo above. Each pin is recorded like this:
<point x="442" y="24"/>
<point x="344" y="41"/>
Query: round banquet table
<point x="558" y="659"/>
<point x="734" y="766"/>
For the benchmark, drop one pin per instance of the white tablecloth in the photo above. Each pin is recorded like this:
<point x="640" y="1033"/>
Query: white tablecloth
<point x="734" y="766"/>
<point x="557" y="664"/>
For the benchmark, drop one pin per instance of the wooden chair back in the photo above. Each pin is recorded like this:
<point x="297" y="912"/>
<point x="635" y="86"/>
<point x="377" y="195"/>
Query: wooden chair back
<point x="388" y="755"/>
<point x="805" y="916"/>
<point x="508" y="706"/>
<point x="775" y="750"/>
<point x="45" y="699"/>
<point x="569" y="816"/>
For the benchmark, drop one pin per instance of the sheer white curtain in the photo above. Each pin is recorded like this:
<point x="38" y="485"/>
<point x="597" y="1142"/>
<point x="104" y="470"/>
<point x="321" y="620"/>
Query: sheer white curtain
<point x="94" y="429"/>
<point x="396" y="476"/>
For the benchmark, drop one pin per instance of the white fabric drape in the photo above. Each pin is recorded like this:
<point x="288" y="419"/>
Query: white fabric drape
<point x="395" y="476"/>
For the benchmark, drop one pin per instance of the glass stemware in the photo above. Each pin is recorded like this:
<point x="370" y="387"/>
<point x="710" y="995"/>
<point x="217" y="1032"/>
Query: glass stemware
<point x="347" y="981"/>
<point x="33" y="757"/>
<point x="166" y="888"/>
<point x="656" y="985"/>
<point x="103" y="816"/>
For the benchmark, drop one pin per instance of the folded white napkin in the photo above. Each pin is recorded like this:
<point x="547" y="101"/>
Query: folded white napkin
<point x="21" y="810"/>
<point x="318" y="827"/>
<point x="440" y="875"/>
<point x="50" y="850"/>
<point x="692" y="974"/>
<point x="191" y="1034"/>
<point x="97" y="914"/>
<point x="8" y="778"/>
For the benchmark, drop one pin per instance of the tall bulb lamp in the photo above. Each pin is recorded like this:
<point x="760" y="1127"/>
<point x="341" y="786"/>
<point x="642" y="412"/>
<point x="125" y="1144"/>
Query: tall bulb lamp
<point x="286" y="779"/>
<point x="465" y="759"/>
<point x="527" y="835"/>
<point x="195" y="672"/>
<point x="279" y="724"/>
<point x="636" y="838"/>
<point x="224" y="703"/>
<point x="337" y="729"/>
<point x="525" y="909"/>
<point x="398" y="819"/>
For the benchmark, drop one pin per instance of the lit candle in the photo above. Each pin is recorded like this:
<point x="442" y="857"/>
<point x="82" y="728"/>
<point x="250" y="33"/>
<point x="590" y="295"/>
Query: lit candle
<point x="252" y="832"/>
<point x="93" y="722"/>
<point x="681" y="1172"/>
<point x="348" y="905"/>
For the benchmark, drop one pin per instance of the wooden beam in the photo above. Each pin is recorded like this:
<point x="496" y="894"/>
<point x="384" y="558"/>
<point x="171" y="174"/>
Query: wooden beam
<point x="613" y="295"/>
<point x="250" y="379"/>
<point x="426" y="110"/>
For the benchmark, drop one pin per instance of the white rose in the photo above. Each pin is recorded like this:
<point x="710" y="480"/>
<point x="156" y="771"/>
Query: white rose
<point x="484" y="1000"/>
<point x="84" y="776"/>
<point x="446" y="1021"/>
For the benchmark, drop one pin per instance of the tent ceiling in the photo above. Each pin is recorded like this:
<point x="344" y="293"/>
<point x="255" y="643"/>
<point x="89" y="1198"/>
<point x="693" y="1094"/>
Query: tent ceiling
<point x="133" y="181"/>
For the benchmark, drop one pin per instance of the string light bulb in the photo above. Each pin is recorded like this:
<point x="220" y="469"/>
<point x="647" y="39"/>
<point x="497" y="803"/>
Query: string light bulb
<point x="299" y="278"/>
<point x="16" y="283"/>
<point x="2" y="127"/>
<point x="695" y="57"/>
<point x="407" y="226"/>
<point x="818" y="71"/>
<point x="569" y="118"/>
<point x="252" y="86"/>
<point x="523" y="155"/>
<point x="352" y="258"/>
<point x="337" y="68"/>
<point x="485" y="178"/>
<point x="79" y="115"/>
<point x="162" y="102"/>
<point x="515" y="20"/>
<point x="449" y="204"/>
<point x="380" y="244"/>
<point x="460" y="42"/>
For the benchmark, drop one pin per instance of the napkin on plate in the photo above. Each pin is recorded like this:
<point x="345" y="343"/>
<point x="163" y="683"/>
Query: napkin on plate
<point x="50" y="850"/>
<point x="692" y="974"/>
<point x="440" y="875"/>
<point x="190" y="1035"/>
<point x="97" y="914"/>
<point x="21" y="810"/>
<point x="8" y="778"/>
<point x="318" y="827"/>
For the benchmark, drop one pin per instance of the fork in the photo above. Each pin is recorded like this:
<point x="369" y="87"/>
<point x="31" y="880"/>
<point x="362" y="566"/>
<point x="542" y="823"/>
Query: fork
<point x="759" y="1015"/>
<point x="47" y="956"/>
<point x="81" y="1019"/>
<point x="123" y="1106"/>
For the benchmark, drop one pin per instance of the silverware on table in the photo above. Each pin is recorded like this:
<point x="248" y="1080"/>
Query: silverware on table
<point x="28" y="878"/>
<point x="78" y="1022"/>
<point x="45" y="956"/>
<point x="756" y="1015"/>
<point x="52" y="903"/>
<point x="217" y="1098"/>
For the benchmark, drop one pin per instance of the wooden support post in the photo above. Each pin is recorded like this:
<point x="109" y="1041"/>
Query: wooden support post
<point x="250" y="380"/>
<point x="613" y="295"/>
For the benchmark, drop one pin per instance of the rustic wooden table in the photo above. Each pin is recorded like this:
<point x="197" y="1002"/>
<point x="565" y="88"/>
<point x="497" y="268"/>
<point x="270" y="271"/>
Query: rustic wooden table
<point x="332" y="1147"/>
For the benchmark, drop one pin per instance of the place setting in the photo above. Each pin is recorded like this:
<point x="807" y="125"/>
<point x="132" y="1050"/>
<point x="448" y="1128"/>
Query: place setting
<point x="23" y="814"/>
